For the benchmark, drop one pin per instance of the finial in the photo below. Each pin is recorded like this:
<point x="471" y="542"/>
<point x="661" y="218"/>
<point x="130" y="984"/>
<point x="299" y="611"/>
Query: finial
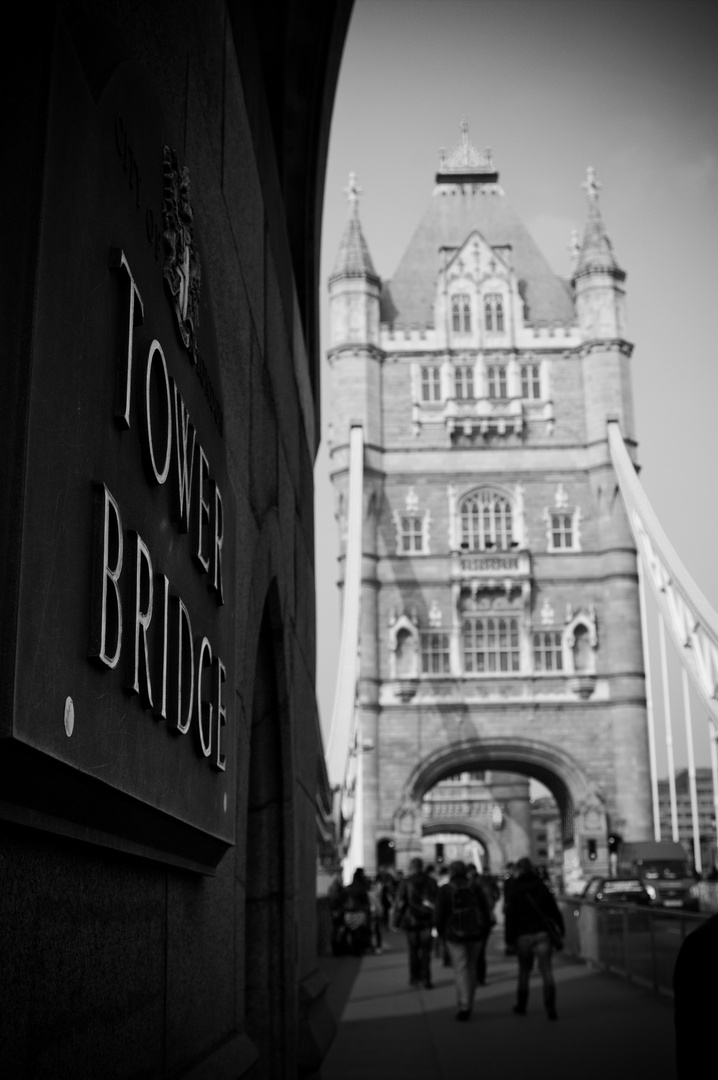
<point x="591" y="184"/>
<point x="465" y="156"/>
<point x="352" y="192"/>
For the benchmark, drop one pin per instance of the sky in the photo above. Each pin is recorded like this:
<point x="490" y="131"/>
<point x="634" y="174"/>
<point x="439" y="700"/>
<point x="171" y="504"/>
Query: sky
<point x="553" y="86"/>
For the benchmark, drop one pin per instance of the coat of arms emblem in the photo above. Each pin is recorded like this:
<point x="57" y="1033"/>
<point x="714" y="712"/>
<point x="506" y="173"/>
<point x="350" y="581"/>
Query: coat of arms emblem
<point x="182" y="270"/>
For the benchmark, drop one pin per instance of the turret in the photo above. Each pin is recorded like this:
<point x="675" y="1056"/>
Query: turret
<point x="598" y="283"/>
<point x="354" y="288"/>
<point x="598" y="279"/>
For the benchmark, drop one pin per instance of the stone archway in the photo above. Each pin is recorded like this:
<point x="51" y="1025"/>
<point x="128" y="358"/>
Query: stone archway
<point x="581" y="805"/>
<point x="492" y="847"/>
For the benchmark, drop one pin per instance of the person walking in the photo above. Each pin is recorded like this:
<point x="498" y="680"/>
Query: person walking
<point x="533" y="927"/>
<point x="414" y="914"/>
<point x="462" y="916"/>
<point x="487" y="883"/>
<point x="376" y="912"/>
<point x="357" y="913"/>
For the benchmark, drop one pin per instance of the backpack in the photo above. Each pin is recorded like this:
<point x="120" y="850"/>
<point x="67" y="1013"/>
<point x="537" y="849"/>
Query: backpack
<point x="419" y="901"/>
<point x="466" y="921"/>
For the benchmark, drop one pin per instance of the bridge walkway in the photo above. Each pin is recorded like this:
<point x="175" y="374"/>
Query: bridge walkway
<point x="608" y="1029"/>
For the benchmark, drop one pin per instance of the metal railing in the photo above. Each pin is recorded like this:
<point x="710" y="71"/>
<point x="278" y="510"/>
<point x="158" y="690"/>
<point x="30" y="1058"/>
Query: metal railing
<point x="638" y="943"/>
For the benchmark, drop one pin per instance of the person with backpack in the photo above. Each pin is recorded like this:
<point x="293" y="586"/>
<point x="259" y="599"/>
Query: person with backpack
<point x="462" y="917"/>
<point x="414" y="914"/>
<point x="533" y="928"/>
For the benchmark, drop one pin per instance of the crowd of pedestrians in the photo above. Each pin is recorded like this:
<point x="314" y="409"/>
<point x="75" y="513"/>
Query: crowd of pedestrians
<point x="449" y="917"/>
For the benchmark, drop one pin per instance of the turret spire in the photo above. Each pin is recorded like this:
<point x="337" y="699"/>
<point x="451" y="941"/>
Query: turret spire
<point x="596" y="252"/>
<point x="353" y="258"/>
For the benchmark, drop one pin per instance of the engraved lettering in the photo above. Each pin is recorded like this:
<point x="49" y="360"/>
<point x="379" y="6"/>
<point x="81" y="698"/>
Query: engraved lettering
<point x="202" y="513"/>
<point x="181" y="670"/>
<point x="132" y="304"/>
<point x="161" y="644"/>
<point x="217" y="543"/>
<point x="106" y="618"/>
<point x="205" y="709"/>
<point x="184" y="461"/>
<point x="219" y="761"/>
<point x="157" y="415"/>
<point x="140" y="583"/>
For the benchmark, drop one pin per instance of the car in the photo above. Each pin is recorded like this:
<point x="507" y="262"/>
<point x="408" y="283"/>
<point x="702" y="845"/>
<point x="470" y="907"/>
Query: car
<point x="623" y="890"/>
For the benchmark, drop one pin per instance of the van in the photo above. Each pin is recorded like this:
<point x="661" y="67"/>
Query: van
<point x="662" y="867"/>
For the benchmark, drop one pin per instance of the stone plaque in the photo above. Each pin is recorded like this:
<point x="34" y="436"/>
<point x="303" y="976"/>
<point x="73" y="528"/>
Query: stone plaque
<point x="123" y="729"/>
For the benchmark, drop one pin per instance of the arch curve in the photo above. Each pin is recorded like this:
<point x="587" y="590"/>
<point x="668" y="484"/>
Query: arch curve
<point x="552" y="766"/>
<point x="466" y="828"/>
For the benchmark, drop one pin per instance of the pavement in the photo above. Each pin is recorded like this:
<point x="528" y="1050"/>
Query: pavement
<point x="608" y="1029"/>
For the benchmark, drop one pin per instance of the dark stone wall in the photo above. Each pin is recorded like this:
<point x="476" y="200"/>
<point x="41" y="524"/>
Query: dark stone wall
<point x="114" y="965"/>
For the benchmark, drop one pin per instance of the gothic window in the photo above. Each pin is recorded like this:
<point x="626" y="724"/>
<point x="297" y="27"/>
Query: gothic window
<point x="548" y="650"/>
<point x="494" y="313"/>
<point x="562" y="523"/>
<point x="412" y="526"/>
<point x="486" y="521"/>
<point x="461" y="314"/>
<point x="497" y="380"/>
<point x="435" y="652"/>
<point x="411" y="533"/>
<point x="530" y="382"/>
<point x="491" y="643"/>
<point x="464" y="381"/>
<point x="430" y="383"/>
<point x="562" y="531"/>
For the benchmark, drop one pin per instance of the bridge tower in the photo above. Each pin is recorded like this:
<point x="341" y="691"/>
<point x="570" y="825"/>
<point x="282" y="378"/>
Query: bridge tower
<point x="500" y="622"/>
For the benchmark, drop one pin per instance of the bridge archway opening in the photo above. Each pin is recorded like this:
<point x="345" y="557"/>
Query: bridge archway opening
<point x="444" y="841"/>
<point x="583" y="829"/>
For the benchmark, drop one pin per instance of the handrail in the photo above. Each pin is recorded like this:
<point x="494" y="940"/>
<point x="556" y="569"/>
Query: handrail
<point x="693" y="622"/>
<point x="341" y="732"/>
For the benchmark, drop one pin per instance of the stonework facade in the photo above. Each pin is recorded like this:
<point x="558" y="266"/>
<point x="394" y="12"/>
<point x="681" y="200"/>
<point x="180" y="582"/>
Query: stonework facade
<point x="500" y="611"/>
<point x="163" y="790"/>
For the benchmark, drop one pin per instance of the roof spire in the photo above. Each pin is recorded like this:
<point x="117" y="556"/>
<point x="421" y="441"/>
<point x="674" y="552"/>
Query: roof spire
<point x="352" y="192"/>
<point x="591" y="185"/>
<point x="596" y="251"/>
<point x="465" y="162"/>
<point x="353" y="258"/>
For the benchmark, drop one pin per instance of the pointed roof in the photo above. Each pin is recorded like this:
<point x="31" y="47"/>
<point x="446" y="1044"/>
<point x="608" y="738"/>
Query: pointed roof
<point x="596" y="251"/>
<point x="467" y="200"/>
<point x="353" y="258"/>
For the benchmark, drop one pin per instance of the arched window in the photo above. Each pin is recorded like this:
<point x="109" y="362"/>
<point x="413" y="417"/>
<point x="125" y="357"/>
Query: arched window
<point x="494" y="312"/>
<point x="461" y="314"/>
<point x="486" y="521"/>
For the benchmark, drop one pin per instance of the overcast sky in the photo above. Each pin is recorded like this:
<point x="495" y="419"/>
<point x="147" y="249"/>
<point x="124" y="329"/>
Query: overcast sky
<point x="553" y="86"/>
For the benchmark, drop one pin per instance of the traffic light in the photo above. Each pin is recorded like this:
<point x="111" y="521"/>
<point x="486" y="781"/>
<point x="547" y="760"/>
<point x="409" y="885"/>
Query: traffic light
<point x="592" y="852"/>
<point x="439" y="853"/>
<point x="614" y="842"/>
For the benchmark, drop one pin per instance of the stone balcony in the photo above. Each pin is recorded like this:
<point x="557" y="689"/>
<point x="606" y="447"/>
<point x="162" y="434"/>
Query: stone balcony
<point x="491" y="567"/>
<point x="484" y="416"/>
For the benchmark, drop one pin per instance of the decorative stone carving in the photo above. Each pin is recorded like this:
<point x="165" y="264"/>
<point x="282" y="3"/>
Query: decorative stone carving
<point x="181" y="270"/>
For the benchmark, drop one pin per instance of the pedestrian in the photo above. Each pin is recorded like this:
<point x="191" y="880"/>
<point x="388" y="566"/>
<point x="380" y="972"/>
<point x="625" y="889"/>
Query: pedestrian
<point x="414" y="914"/>
<point x="462" y="915"/>
<point x="533" y="927"/>
<point x="695" y="998"/>
<point x="335" y="896"/>
<point x="440" y="950"/>
<point x="376" y="912"/>
<point x="488" y="885"/>
<point x="357" y="914"/>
